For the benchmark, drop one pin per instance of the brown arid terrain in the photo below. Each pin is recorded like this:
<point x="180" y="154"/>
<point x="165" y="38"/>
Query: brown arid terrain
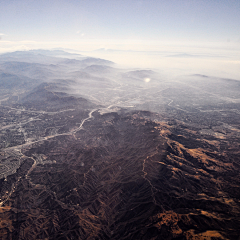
<point x="89" y="151"/>
<point x="125" y="176"/>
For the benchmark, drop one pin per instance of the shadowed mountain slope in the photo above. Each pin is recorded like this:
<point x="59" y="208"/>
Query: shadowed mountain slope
<point x="125" y="177"/>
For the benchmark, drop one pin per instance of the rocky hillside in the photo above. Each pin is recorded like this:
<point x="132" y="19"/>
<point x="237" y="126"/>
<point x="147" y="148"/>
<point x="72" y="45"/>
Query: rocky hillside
<point x="125" y="175"/>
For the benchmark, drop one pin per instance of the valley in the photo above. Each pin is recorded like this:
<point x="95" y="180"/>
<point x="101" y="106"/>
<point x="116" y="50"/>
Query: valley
<point x="92" y="151"/>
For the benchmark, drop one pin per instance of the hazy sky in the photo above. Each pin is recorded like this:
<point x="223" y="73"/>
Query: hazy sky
<point x="199" y="36"/>
<point x="118" y="21"/>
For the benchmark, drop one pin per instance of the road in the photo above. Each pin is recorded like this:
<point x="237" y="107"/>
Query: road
<point x="55" y="135"/>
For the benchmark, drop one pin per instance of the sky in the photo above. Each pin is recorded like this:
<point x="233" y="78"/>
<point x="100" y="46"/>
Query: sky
<point x="119" y="21"/>
<point x="173" y="26"/>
